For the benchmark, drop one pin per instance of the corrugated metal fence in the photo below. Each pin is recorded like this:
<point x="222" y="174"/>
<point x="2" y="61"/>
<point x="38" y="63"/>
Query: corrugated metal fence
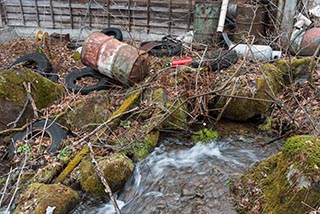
<point x="150" y="16"/>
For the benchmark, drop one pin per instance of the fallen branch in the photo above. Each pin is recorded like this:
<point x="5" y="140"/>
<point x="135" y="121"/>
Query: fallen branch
<point x="17" y="183"/>
<point x="103" y="180"/>
<point x="96" y="134"/>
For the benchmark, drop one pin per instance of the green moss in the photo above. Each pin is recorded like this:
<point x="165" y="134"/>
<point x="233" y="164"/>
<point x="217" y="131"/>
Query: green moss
<point x="43" y="90"/>
<point x="142" y="149"/>
<point x="243" y="109"/>
<point x="177" y="119"/>
<point x="38" y="197"/>
<point x="295" y="68"/>
<point x="47" y="173"/>
<point x="117" y="169"/>
<point x="205" y="135"/>
<point x="280" y="183"/>
<point x="304" y="150"/>
<point x="97" y="104"/>
<point x="268" y="125"/>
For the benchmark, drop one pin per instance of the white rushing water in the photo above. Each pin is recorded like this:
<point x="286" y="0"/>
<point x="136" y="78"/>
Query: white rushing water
<point x="179" y="179"/>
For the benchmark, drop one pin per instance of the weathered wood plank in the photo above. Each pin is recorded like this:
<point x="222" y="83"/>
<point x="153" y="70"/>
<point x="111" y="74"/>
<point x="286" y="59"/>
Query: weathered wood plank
<point x="149" y="15"/>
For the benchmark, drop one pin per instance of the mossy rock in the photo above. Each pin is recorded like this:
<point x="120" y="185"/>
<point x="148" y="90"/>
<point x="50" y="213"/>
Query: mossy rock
<point x="296" y="69"/>
<point x="78" y="116"/>
<point x="282" y="182"/>
<point x="13" y="94"/>
<point x="38" y="197"/>
<point x="47" y="173"/>
<point x="178" y="114"/>
<point x="117" y="169"/>
<point x="242" y="109"/>
<point x="140" y="150"/>
<point x="304" y="151"/>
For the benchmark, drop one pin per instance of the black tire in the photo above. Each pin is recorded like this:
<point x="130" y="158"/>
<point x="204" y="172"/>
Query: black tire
<point x="113" y="32"/>
<point x="44" y="66"/>
<point x="71" y="81"/>
<point x="221" y="59"/>
<point x="55" y="131"/>
<point x="165" y="48"/>
<point x="73" y="46"/>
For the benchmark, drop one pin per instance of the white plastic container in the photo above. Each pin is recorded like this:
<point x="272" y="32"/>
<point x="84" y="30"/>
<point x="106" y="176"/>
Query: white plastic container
<point x="261" y="53"/>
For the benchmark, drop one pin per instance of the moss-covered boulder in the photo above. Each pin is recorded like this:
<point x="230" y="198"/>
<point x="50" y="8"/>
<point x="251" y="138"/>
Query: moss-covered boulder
<point x="284" y="183"/>
<point x="39" y="197"/>
<point x="78" y="116"/>
<point x="13" y="94"/>
<point x="117" y="168"/>
<point x="249" y="95"/>
<point x="296" y="69"/>
<point x="141" y="149"/>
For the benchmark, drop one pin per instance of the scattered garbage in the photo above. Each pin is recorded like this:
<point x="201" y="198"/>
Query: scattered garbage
<point x="58" y="37"/>
<point x="102" y="82"/>
<point x="113" y="32"/>
<point x="178" y="62"/>
<point x="40" y="35"/>
<point x="221" y="59"/>
<point x="262" y="53"/>
<point x="164" y="48"/>
<point x="186" y="38"/>
<point x="37" y="129"/>
<point x="115" y="59"/>
<point x="39" y="63"/>
<point x="305" y="42"/>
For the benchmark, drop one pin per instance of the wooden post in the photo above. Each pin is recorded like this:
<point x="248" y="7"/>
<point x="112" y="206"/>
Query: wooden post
<point x="37" y="13"/>
<point x="148" y="17"/>
<point x="189" y="15"/>
<point x="1" y="15"/>
<point x="70" y="13"/>
<point x="129" y="15"/>
<point x="22" y="13"/>
<point x="108" y="11"/>
<point x="90" y="15"/>
<point x="170" y="17"/>
<point x="52" y="15"/>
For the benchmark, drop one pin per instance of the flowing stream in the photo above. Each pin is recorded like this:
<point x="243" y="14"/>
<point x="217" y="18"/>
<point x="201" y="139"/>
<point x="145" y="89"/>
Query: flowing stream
<point x="179" y="178"/>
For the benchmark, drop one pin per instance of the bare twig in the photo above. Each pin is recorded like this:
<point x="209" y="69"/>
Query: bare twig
<point x="227" y="103"/>
<point x="5" y="187"/>
<point x="17" y="182"/>
<point x="14" y="123"/>
<point x="103" y="180"/>
<point x="31" y="100"/>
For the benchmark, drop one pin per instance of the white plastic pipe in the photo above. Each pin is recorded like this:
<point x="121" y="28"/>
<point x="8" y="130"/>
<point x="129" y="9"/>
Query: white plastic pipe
<point x="223" y="14"/>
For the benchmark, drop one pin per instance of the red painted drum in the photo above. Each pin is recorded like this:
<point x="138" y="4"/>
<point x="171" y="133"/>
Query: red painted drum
<point x="115" y="59"/>
<point x="310" y="42"/>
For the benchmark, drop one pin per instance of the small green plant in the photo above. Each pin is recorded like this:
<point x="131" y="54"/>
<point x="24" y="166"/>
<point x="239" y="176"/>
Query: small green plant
<point x="125" y="124"/>
<point x="229" y="183"/>
<point x="24" y="148"/>
<point x="205" y="135"/>
<point x="65" y="152"/>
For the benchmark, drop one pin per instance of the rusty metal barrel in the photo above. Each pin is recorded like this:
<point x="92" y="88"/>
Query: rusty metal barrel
<point x="310" y="42"/>
<point x="251" y="19"/>
<point x="115" y="59"/>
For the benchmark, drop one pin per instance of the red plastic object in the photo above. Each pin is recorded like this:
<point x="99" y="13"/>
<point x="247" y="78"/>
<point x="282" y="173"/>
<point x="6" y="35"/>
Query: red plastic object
<point x="183" y="61"/>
